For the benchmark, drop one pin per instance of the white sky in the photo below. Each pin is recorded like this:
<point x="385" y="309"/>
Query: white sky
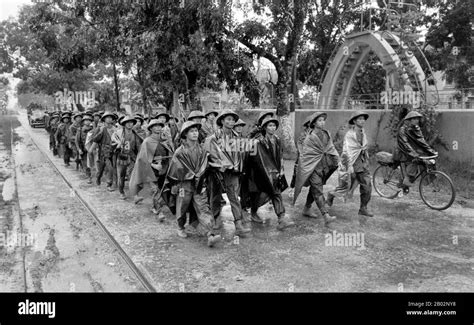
<point x="11" y="7"/>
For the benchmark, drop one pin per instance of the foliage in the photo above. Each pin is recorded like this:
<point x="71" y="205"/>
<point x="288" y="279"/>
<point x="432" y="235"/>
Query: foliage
<point x="452" y="27"/>
<point x="4" y="81"/>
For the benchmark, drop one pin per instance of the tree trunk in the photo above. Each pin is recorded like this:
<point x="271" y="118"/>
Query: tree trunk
<point x="283" y="111"/>
<point x="117" y="92"/>
<point x="143" y="88"/>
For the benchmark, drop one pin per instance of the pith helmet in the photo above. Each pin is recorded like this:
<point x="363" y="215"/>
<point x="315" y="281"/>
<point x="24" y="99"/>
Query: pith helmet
<point x="212" y="112"/>
<point x="356" y="115"/>
<point x="166" y="115"/>
<point x="315" y="116"/>
<point x="126" y="119"/>
<point x="412" y="114"/>
<point x="269" y="119"/>
<point x="153" y="123"/>
<point x="186" y="126"/>
<point x="112" y="115"/>
<point x="240" y="122"/>
<point x="262" y="116"/>
<point x="225" y="113"/>
<point x="195" y="114"/>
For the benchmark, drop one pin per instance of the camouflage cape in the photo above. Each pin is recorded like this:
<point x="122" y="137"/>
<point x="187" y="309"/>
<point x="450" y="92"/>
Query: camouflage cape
<point x="142" y="171"/>
<point x="311" y="155"/>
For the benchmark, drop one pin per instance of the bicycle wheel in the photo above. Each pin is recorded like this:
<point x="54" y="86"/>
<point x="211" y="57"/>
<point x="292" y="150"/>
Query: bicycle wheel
<point x="437" y="190"/>
<point x="386" y="181"/>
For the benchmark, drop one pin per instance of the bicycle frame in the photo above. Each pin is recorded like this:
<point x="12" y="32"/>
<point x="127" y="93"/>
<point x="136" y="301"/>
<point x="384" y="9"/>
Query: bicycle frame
<point x="422" y="161"/>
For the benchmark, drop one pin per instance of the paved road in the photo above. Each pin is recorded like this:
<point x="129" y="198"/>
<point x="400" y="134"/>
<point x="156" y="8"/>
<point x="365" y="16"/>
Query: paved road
<point x="406" y="247"/>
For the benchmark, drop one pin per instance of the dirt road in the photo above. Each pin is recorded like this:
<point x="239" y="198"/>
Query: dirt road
<point x="405" y="247"/>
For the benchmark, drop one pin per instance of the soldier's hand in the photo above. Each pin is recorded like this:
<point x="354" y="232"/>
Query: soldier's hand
<point x="80" y="152"/>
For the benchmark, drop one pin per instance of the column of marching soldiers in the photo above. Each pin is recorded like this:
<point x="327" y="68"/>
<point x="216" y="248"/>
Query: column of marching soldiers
<point x="190" y="164"/>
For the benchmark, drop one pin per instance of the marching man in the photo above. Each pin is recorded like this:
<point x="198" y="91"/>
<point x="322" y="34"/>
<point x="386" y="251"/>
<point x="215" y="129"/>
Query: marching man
<point x="186" y="175"/>
<point x="127" y="143"/>
<point x="269" y="176"/>
<point x="226" y="168"/>
<point x="151" y="165"/>
<point x="81" y="137"/>
<point x="355" y="149"/>
<point x="318" y="160"/>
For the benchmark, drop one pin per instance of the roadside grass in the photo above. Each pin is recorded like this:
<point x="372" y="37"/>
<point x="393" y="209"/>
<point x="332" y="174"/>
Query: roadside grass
<point x="462" y="175"/>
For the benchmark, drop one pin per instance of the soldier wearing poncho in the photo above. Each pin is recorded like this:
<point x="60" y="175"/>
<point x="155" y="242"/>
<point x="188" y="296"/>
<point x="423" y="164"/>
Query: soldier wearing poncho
<point x="138" y="127"/>
<point x="186" y="176"/>
<point x="256" y="132"/>
<point x="197" y="117"/>
<point x="71" y="135"/>
<point x="127" y="143"/>
<point x="103" y="138"/>
<point x="226" y="166"/>
<point x="151" y="165"/>
<point x="318" y="160"/>
<point x="268" y="174"/>
<point x="355" y="149"/>
<point x="81" y="137"/>
<point x="209" y="126"/>
<point x="61" y="138"/>
<point x="52" y="127"/>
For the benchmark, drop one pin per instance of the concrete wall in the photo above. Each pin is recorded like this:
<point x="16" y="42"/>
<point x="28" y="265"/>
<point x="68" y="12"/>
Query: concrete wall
<point x="454" y="125"/>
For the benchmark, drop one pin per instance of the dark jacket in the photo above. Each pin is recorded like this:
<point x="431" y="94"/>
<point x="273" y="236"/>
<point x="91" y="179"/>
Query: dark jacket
<point x="104" y="140"/>
<point x="81" y="137"/>
<point x="61" y="133"/>
<point x="411" y="143"/>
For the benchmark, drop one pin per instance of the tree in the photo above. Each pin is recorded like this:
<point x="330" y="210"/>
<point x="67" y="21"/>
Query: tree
<point x="276" y="35"/>
<point x="449" y="43"/>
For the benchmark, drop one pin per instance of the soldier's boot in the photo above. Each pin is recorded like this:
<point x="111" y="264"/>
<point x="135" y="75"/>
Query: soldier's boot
<point x="161" y="217"/>
<point x="284" y="222"/>
<point x="328" y="218"/>
<point x="182" y="233"/>
<point x="240" y="230"/>
<point x="308" y="213"/>
<point x="363" y="211"/>
<point x="137" y="199"/>
<point x="122" y="196"/>
<point x="256" y="218"/>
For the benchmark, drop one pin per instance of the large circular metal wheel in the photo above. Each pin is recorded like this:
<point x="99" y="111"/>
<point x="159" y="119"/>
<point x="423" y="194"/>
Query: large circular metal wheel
<point x="437" y="190"/>
<point x="386" y="181"/>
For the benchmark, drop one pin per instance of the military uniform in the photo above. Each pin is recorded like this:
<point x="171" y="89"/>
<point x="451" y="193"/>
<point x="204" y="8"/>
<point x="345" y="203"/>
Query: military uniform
<point x="106" y="152"/>
<point x="128" y="145"/>
<point x="73" y="129"/>
<point x="81" y="137"/>
<point x="62" y="140"/>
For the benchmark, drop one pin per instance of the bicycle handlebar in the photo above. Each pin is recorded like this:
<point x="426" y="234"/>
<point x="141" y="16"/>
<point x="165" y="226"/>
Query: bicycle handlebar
<point x="428" y="157"/>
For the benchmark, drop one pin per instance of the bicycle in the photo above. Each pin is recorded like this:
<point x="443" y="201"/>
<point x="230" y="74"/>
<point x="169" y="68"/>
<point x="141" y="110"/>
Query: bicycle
<point x="435" y="186"/>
